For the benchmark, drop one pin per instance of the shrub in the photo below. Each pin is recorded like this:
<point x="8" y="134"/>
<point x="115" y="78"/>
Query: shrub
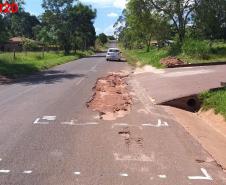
<point x="196" y="48"/>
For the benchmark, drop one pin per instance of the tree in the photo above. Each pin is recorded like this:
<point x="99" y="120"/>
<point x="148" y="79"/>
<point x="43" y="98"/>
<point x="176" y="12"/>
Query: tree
<point x="178" y="11"/>
<point x="103" y="38"/>
<point x="22" y="23"/>
<point x="55" y="18"/>
<point x="3" y="30"/>
<point x="72" y="23"/>
<point x="210" y="19"/>
<point x="143" y="24"/>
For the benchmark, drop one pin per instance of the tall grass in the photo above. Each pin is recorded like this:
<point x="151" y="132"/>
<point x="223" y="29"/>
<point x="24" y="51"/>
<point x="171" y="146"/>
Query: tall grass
<point x="197" y="48"/>
<point x="215" y="100"/>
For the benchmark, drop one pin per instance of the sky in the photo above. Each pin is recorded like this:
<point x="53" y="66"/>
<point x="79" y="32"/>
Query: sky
<point x="108" y="12"/>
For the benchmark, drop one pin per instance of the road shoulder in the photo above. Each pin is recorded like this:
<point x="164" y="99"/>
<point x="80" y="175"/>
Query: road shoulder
<point x="206" y="131"/>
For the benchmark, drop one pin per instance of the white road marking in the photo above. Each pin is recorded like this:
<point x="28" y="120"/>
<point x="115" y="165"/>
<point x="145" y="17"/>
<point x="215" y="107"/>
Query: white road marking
<point x="79" y="124"/>
<point x="125" y="125"/>
<point x="124" y="175"/>
<point x="77" y="173"/>
<point x="205" y="177"/>
<point x="27" y="172"/>
<point x="48" y="118"/>
<point x="80" y="81"/>
<point x="119" y="125"/>
<point x="0" y="159"/>
<point x="36" y="121"/>
<point x="72" y="122"/>
<point x="140" y="157"/>
<point x="160" y="124"/>
<point x="4" y="171"/>
<point x="162" y="176"/>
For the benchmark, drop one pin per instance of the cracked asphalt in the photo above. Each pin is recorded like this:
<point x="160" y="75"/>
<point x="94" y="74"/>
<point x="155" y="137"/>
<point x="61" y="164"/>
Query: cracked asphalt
<point x="49" y="137"/>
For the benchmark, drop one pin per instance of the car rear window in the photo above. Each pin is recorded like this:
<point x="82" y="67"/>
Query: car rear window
<point x="114" y="50"/>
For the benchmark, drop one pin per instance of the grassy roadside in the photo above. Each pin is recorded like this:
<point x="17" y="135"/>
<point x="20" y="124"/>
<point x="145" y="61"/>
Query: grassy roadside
<point x="192" y="52"/>
<point x="151" y="58"/>
<point x="215" y="100"/>
<point x="30" y="62"/>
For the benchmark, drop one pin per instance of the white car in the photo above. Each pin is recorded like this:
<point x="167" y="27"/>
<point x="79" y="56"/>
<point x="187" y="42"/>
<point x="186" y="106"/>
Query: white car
<point x="113" y="54"/>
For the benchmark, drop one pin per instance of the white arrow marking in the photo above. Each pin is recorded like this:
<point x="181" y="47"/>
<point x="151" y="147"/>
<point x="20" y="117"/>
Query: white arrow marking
<point x="36" y="121"/>
<point x="160" y="124"/>
<point x="4" y="171"/>
<point x="205" y="177"/>
<point x="49" y="118"/>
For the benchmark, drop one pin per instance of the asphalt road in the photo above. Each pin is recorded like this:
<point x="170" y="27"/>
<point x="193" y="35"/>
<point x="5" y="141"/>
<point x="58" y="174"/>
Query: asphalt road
<point x="181" y="82"/>
<point x="49" y="137"/>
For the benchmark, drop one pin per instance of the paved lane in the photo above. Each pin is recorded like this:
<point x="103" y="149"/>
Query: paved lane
<point x="49" y="137"/>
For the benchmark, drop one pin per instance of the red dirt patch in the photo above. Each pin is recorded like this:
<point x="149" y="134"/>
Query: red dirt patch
<point x="171" y="61"/>
<point x="111" y="98"/>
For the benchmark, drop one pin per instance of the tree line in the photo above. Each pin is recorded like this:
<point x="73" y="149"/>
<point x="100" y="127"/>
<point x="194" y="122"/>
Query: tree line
<point x="145" y="20"/>
<point x="67" y="24"/>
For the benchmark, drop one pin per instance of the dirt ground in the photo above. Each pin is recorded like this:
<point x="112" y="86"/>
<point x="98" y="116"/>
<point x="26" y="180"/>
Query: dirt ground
<point x="111" y="97"/>
<point x="171" y="62"/>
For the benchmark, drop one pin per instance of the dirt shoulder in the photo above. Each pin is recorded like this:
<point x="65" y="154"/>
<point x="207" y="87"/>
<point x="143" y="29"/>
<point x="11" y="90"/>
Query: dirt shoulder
<point x="206" y="127"/>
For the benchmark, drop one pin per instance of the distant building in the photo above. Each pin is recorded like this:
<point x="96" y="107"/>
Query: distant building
<point x="15" y="43"/>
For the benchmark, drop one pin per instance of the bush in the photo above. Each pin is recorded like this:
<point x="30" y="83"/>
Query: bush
<point x="196" y="48"/>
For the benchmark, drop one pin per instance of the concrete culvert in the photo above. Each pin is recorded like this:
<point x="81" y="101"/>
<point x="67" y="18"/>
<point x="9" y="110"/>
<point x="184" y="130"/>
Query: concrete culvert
<point x="190" y="103"/>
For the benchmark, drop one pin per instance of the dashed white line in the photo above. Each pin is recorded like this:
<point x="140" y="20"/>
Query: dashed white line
<point x="27" y="172"/>
<point x="4" y="171"/>
<point x="0" y="159"/>
<point x="162" y="176"/>
<point x="124" y="174"/>
<point x="119" y="125"/>
<point x="77" y="173"/>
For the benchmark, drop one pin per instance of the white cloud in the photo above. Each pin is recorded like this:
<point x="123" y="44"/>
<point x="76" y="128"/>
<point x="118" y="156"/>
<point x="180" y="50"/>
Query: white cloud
<point x="112" y="14"/>
<point x="107" y="3"/>
<point x="109" y="30"/>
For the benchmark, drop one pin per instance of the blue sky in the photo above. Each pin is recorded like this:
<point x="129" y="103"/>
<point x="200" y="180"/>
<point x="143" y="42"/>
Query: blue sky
<point x="107" y="12"/>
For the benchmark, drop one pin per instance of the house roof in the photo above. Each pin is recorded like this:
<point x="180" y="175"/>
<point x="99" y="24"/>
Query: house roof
<point x="19" y="40"/>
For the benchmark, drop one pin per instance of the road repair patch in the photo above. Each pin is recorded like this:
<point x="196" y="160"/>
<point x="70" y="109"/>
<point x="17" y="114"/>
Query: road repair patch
<point x="111" y="97"/>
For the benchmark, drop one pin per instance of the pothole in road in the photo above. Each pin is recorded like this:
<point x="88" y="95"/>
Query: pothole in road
<point x="111" y="97"/>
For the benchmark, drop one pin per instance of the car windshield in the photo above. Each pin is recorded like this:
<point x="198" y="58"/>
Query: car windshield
<point x="113" y="50"/>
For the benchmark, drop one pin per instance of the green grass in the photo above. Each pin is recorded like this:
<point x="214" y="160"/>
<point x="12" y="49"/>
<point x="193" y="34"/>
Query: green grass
<point x="192" y="52"/>
<point x="146" y="58"/>
<point x="30" y="62"/>
<point x="215" y="100"/>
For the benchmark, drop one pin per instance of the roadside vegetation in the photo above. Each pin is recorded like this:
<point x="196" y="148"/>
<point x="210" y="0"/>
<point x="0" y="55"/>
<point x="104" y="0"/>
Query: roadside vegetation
<point x="28" y="62"/>
<point x="215" y="100"/>
<point x="154" y="29"/>
<point x="62" y="33"/>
